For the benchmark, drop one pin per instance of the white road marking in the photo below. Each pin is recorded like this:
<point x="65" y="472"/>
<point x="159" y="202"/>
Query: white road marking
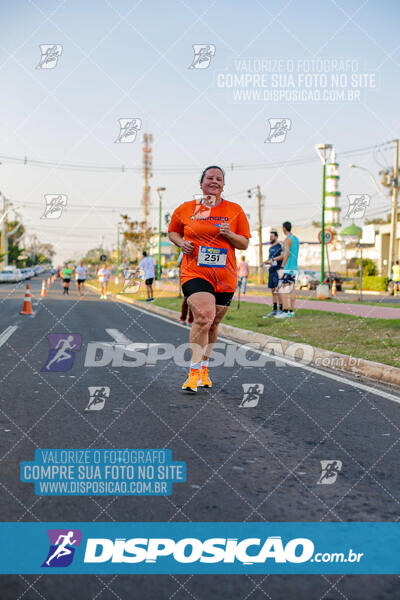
<point x="119" y="337"/>
<point x="355" y="384"/>
<point x="7" y="333"/>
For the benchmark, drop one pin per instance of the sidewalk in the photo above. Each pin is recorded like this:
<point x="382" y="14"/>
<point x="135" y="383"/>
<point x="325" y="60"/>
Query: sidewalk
<point x="355" y="310"/>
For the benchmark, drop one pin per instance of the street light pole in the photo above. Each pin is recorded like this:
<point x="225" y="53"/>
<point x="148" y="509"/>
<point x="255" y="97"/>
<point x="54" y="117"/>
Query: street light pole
<point x="323" y="151"/>
<point x="159" y="192"/>
<point x="395" y="189"/>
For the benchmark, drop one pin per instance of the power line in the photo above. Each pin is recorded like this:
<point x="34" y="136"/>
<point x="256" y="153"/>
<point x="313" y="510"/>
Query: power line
<point x="182" y="169"/>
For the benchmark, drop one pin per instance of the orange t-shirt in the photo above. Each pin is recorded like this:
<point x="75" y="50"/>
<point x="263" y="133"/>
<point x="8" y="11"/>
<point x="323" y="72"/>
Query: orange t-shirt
<point x="200" y="225"/>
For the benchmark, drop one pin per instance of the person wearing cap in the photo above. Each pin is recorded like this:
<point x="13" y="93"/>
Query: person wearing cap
<point x="274" y="261"/>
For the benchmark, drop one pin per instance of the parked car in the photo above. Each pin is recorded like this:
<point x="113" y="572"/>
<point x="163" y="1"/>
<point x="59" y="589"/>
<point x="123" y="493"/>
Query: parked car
<point x="331" y="277"/>
<point x="11" y="274"/>
<point x="308" y="279"/>
<point x="27" y="273"/>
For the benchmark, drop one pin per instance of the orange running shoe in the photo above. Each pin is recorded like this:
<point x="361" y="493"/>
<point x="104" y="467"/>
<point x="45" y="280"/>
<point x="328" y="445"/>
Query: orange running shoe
<point x="192" y="381"/>
<point x="205" y="380"/>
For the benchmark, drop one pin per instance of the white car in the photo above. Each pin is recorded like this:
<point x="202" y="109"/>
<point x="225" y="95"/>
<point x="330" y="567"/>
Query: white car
<point x="27" y="273"/>
<point x="10" y="275"/>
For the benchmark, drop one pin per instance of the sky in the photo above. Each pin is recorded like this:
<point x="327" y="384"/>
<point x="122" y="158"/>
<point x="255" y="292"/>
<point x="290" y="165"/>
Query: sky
<point x="123" y="59"/>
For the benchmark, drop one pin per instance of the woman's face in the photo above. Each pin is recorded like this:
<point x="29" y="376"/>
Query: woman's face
<point x="213" y="183"/>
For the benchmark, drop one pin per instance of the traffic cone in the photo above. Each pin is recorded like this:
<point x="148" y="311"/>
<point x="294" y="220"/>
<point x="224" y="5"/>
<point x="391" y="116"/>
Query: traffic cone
<point x="43" y="292"/>
<point x="48" y="282"/>
<point x="334" y="288"/>
<point x="27" y="308"/>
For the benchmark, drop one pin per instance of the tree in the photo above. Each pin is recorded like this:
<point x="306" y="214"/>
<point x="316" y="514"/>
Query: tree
<point x="15" y="232"/>
<point x="377" y="221"/>
<point x="137" y="232"/>
<point x="369" y="267"/>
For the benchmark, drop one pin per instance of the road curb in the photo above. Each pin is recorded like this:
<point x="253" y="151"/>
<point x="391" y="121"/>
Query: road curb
<point x="318" y="357"/>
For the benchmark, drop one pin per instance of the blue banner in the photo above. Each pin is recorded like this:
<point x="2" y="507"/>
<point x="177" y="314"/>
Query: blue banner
<point x="214" y="548"/>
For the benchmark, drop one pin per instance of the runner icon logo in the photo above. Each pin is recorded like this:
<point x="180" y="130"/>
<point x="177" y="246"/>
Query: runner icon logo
<point x="203" y="54"/>
<point x="329" y="471"/>
<point x="278" y="129"/>
<point x="132" y="280"/>
<point x="358" y="204"/>
<point x="62" y="352"/>
<point x="63" y="543"/>
<point x="50" y="55"/>
<point x="55" y="204"/>
<point x="252" y="393"/>
<point x="98" y="396"/>
<point x="128" y="129"/>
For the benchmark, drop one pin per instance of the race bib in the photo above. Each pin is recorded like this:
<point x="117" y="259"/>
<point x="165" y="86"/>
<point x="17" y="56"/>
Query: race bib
<point x="212" y="257"/>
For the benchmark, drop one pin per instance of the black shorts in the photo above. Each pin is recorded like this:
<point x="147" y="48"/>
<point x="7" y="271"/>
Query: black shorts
<point x="81" y="280"/>
<point x="201" y="285"/>
<point x="66" y="280"/>
<point x="273" y="279"/>
<point x="149" y="281"/>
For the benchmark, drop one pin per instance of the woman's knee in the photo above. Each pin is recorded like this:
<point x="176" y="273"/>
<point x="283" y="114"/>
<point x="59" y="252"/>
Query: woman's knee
<point x="203" y="314"/>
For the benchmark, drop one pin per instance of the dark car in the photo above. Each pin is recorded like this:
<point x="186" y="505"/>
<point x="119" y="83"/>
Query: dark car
<point x="331" y="277"/>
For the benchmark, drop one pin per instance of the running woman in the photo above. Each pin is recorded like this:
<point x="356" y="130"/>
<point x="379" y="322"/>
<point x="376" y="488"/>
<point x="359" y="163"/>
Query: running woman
<point x="81" y="278"/>
<point x="66" y="274"/>
<point x="208" y="231"/>
<point x="104" y="275"/>
<point x="288" y="272"/>
<point x="274" y="261"/>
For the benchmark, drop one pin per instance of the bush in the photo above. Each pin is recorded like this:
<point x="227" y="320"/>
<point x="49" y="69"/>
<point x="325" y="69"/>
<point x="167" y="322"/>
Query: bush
<point x="369" y="267"/>
<point x="374" y="284"/>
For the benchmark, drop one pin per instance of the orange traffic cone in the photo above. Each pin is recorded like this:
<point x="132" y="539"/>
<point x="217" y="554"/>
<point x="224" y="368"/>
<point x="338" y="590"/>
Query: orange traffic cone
<point x="27" y="308"/>
<point x="43" y="292"/>
<point x="334" y="288"/>
<point x="48" y="282"/>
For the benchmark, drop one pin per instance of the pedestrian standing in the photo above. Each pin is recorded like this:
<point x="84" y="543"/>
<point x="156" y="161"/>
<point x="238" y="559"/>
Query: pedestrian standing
<point x="243" y="274"/>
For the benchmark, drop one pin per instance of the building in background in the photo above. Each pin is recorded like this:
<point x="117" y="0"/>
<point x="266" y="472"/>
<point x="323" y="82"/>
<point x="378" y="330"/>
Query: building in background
<point x="332" y="194"/>
<point x="342" y="254"/>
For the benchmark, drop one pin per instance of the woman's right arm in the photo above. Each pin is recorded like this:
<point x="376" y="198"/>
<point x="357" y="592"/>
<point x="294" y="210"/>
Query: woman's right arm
<point x="178" y="240"/>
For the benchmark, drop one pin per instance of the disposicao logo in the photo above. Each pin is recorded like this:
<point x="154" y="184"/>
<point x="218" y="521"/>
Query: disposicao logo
<point x="62" y="547"/>
<point x="191" y="550"/>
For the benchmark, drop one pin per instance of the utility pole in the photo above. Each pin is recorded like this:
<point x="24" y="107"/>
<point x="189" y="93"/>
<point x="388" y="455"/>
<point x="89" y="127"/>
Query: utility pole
<point x="393" y="232"/>
<point x="4" y="232"/>
<point x="323" y="151"/>
<point x="260" y="248"/>
<point x="147" y="173"/>
<point x="159" y="192"/>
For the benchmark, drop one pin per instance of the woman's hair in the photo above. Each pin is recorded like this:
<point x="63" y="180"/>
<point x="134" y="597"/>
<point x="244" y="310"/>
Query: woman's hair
<point x="212" y="167"/>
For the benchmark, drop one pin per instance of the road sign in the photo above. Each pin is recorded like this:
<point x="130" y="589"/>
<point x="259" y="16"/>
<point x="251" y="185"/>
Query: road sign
<point x="103" y="257"/>
<point x="328" y="236"/>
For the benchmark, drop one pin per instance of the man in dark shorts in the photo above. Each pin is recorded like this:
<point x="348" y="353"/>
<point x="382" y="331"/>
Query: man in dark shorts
<point x="66" y="274"/>
<point x="274" y="261"/>
<point x="148" y="267"/>
<point x="81" y="278"/>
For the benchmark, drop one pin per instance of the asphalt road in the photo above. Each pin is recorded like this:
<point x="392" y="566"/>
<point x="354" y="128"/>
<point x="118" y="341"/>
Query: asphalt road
<point x="243" y="464"/>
